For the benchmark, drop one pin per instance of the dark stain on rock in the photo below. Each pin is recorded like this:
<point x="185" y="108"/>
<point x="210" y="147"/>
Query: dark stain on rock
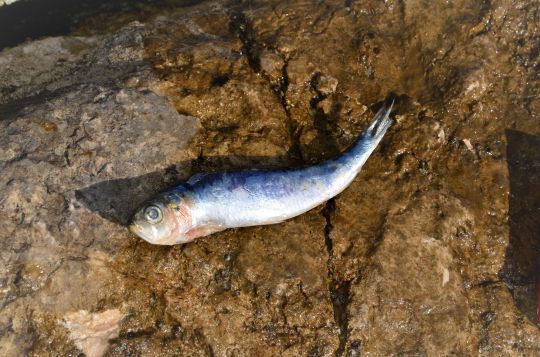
<point x="221" y="80"/>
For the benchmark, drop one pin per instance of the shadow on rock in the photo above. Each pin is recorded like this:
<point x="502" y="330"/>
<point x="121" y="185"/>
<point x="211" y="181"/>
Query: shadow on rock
<point x="117" y="200"/>
<point x="37" y="19"/>
<point x="521" y="269"/>
<point x="11" y="110"/>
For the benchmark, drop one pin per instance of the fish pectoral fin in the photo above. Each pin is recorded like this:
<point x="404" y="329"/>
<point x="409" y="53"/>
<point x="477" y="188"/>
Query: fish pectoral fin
<point x="203" y="231"/>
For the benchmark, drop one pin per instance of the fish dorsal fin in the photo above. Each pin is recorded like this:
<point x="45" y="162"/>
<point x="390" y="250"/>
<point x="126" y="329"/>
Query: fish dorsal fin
<point x="196" y="178"/>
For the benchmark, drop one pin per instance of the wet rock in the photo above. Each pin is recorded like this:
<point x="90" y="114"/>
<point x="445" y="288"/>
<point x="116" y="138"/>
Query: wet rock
<point x="416" y="302"/>
<point x="92" y="332"/>
<point x="327" y="85"/>
<point x="430" y="251"/>
<point x="272" y="64"/>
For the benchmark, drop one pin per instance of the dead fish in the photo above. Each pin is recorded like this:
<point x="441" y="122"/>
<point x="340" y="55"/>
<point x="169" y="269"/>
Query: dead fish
<point x="209" y="203"/>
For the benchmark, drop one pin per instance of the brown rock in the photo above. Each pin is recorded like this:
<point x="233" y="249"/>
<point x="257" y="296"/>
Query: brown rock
<point x="432" y="250"/>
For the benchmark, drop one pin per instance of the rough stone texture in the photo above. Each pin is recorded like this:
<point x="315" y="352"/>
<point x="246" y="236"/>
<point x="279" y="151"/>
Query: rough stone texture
<point x="92" y="332"/>
<point x="433" y="250"/>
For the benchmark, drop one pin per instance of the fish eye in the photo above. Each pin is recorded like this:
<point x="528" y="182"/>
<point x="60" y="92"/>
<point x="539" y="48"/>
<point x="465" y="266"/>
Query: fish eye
<point x="153" y="214"/>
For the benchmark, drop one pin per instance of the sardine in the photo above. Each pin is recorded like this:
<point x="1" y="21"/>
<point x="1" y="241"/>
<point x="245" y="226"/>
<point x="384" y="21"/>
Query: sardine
<point x="209" y="203"/>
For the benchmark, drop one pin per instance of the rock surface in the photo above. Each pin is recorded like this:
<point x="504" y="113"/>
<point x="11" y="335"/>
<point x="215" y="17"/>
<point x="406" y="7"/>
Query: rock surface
<point x="433" y="250"/>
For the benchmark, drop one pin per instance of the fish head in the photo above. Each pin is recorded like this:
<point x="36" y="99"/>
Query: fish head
<point x="163" y="220"/>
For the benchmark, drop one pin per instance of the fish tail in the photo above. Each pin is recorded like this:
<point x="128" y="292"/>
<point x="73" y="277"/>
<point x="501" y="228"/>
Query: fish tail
<point x="341" y="171"/>
<point x="360" y="151"/>
<point x="380" y="124"/>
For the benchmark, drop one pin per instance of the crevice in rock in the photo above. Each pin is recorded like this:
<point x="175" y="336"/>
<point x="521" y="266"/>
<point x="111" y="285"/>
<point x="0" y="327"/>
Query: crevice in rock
<point x="328" y="17"/>
<point x="339" y="291"/>
<point x="293" y="128"/>
<point x="327" y="212"/>
<point x="487" y="318"/>
<point x="18" y="158"/>
<point x="201" y="338"/>
<point x="137" y="333"/>
<point x="324" y="123"/>
<point x="240" y="25"/>
<point x="318" y="97"/>
<point x="379" y="235"/>
<point x="18" y="292"/>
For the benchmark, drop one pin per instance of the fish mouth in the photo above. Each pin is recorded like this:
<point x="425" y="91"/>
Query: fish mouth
<point x="135" y="230"/>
